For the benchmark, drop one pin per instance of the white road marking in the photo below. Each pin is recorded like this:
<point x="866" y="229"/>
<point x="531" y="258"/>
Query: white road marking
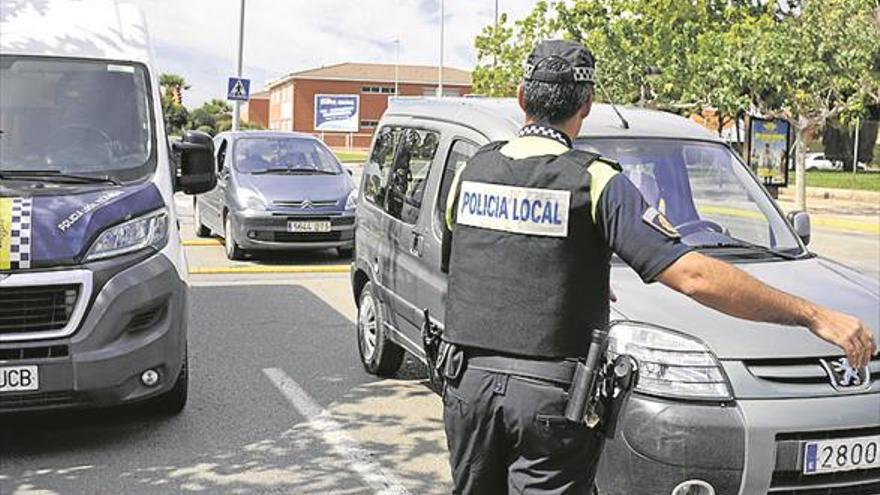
<point x="361" y="460"/>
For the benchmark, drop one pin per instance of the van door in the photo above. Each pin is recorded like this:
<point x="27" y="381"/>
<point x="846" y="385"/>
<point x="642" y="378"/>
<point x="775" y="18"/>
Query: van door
<point x="457" y="150"/>
<point x="213" y="201"/>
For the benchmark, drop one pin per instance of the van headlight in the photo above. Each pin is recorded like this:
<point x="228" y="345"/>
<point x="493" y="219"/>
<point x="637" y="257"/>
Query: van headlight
<point x="351" y="201"/>
<point x="150" y="230"/>
<point x="671" y="364"/>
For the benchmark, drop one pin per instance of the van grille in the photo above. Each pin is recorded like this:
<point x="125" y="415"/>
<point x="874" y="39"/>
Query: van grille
<point x="36" y="309"/>
<point x="41" y="400"/>
<point x="42" y="352"/>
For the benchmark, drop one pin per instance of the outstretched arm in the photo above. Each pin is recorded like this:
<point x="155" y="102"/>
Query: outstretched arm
<point x="732" y="291"/>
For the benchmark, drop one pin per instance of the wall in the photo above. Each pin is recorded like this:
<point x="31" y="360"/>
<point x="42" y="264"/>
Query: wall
<point x="256" y="112"/>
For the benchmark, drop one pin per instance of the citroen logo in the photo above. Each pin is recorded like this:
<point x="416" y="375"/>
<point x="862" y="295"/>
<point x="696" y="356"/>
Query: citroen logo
<point x="307" y="204"/>
<point x="845" y="378"/>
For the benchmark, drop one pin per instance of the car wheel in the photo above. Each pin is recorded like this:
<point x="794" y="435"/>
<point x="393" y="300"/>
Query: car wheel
<point x="174" y="401"/>
<point x="379" y="355"/>
<point x="233" y="252"/>
<point x="198" y="227"/>
<point x="345" y="252"/>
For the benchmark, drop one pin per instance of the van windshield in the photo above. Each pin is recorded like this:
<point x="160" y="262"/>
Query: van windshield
<point x="703" y="189"/>
<point x="81" y="118"/>
<point x="284" y="155"/>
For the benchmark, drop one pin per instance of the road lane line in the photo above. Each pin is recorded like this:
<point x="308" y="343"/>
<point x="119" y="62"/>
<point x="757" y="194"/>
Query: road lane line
<point x="227" y="270"/>
<point x="361" y="460"/>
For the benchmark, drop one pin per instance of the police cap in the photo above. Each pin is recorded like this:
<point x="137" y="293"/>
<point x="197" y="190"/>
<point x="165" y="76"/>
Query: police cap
<point x="577" y="63"/>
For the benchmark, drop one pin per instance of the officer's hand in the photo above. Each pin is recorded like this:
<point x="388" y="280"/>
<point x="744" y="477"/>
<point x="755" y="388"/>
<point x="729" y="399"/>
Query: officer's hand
<point x="846" y="332"/>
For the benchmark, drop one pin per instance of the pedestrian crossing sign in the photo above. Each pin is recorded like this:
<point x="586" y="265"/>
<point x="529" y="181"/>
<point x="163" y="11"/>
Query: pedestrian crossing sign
<point x="238" y="89"/>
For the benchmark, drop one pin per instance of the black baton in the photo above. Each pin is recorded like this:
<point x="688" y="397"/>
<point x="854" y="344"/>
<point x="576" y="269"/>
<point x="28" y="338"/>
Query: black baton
<point x="585" y="378"/>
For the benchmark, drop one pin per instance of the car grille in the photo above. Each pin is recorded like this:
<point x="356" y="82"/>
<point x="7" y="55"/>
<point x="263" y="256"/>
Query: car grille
<point x="41" y="400"/>
<point x="298" y="236"/>
<point x="300" y="204"/>
<point x="43" y="352"/>
<point x="36" y="309"/>
<point x="800" y="371"/>
<point x="788" y="478"/>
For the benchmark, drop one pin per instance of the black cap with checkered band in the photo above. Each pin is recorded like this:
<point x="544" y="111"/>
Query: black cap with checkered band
<point x="577" y="63"/>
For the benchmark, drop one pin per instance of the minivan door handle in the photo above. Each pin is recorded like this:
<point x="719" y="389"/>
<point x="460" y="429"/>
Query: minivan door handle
<point x="417" y="244"/>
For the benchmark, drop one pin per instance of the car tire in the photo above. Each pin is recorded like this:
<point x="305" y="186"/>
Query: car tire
<point x="379" y="355"/>
<point x="198" y="227"/>
<point x="174" y="401"/>
<point x="345" y="252"/>
<point x="233" y="252"/>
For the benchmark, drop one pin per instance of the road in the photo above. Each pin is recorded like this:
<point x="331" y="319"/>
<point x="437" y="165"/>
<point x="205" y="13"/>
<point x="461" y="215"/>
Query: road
<point x="279" y="402"/>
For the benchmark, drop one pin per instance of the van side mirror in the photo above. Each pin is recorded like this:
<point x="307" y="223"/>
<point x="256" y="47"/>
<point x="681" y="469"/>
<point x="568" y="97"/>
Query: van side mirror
<point x="800" y="220"/>
<point x="195" y="171"/>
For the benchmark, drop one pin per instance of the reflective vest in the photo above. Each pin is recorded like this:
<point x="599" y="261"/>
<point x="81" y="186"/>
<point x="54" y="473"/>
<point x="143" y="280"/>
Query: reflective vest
<point x="529" y="271"/>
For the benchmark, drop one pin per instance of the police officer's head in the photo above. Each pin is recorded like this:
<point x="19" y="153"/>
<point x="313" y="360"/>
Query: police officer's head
<point x="558" y="83"/>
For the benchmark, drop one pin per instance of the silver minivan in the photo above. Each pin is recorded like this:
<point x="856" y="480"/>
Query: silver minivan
<point x="724" y="406"/>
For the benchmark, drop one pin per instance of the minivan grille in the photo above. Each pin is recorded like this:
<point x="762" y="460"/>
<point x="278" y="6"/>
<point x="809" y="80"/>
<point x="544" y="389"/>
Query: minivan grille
<point x="41" y="400"/>
<point x="42" y="352"/>
<point x="37" y="308"/>
<point x="301" y="204"/>
<point x="804" y="371"/>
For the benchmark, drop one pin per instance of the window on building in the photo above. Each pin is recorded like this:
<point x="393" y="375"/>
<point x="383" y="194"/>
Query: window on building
<point x="378" y="89"/>
<point x="369" y="124"/>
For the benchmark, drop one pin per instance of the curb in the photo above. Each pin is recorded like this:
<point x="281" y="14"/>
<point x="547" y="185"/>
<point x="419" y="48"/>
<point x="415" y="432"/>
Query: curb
<point x="856" y="195"/>
<point x="202" y="242"/>
<point x="232" y="270"/>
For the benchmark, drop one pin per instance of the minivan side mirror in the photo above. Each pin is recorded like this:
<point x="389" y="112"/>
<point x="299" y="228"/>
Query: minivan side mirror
<point x="800" y="220"/>
<point x="195" y="172"/>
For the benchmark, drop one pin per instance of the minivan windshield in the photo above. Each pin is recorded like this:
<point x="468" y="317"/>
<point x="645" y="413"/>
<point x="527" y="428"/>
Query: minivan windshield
<point x="703" y="189"/>
<point x="70" y="118"/>
<point x="284" y="155"/>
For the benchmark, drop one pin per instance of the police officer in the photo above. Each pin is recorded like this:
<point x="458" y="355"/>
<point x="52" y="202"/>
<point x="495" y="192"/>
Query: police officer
<point x="533" y="226"/>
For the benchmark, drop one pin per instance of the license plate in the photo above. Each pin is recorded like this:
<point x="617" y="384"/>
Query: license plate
<point x="298" y="226"/>
<point x="19" y="379"/>
<point x="829" y="456"/>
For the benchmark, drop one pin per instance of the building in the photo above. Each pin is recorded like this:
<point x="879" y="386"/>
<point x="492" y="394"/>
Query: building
<point x="256" y="110"/>
<point x="354" y="98"/>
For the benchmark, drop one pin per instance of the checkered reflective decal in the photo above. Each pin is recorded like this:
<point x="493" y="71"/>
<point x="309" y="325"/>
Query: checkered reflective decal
<point x="15" y="233"/>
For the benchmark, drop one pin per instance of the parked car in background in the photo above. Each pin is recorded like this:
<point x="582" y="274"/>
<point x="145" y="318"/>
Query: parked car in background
<point x="277" y="191"/>
<point x="723" y="405"/>
<point x="818" y="161"/>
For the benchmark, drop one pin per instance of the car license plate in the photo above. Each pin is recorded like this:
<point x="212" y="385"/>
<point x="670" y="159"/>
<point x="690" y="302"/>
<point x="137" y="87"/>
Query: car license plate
<point x="299" y="226"/>
<point x="19" y="379"/>
<point x="847" y="454"/>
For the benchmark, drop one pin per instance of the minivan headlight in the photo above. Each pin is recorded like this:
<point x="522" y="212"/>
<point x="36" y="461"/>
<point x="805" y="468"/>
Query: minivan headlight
<point x="671" y="364"/>
<point x="250" y="199"/>
<point x="150" y="230"/>
<point x="351" y="202"/>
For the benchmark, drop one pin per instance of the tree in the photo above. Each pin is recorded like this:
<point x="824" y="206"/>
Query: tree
<point x="176" y="115"/>
<point x="212" y="117"/>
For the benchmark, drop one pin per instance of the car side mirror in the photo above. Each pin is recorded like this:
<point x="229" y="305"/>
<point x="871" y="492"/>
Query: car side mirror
<point x="800" y="220"/>
<point x="195" y="172"/>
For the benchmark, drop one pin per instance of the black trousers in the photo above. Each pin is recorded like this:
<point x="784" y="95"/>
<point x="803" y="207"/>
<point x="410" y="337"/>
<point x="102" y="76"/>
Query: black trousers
<point x="507" y="435"/>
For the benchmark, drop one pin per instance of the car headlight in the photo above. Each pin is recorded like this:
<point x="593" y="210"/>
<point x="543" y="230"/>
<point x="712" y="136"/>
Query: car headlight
<point x="351" y="202"/>
<point x="150" y="230"/>
<point x="671" y="364"/>
<point x="251" y="200"/>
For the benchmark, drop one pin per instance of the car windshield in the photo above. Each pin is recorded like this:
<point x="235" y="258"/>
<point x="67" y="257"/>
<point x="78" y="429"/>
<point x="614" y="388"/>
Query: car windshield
<point x="703" y="189"/>
<point x="77" y="117"/>
<point x="284" y="155"/>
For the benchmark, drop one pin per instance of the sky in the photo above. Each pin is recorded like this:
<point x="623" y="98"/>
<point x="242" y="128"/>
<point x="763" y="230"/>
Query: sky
<point x="198" y="38"/>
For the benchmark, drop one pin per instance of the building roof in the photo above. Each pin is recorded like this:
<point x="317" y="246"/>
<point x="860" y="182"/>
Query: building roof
<point x="501" y="118"/>
<point x="412" y="74"/>
<point x="101" y="29"/>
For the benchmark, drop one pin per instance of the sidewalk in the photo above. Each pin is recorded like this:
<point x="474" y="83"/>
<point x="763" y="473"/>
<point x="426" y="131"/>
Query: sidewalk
<point x="840" y="211"/>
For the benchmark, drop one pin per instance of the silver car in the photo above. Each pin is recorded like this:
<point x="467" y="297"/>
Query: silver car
<point x="724" y="406"/>
<point x="277" y="191"/>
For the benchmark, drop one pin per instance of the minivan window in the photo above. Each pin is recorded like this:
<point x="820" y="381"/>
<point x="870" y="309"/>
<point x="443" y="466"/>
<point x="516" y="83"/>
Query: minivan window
<point x="77" y="117"/>
<point x="703" y="189"/>
<point x="284" y="155"/>
<point x="409" y="174"/>
<point x="378" y="167"/>
<point x="459" y="154"/>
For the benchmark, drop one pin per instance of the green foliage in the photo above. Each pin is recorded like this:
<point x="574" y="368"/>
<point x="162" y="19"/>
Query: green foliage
<point x="176" y="115"/>
<point x="212" y="117"/>
<point x="863" y="181"/>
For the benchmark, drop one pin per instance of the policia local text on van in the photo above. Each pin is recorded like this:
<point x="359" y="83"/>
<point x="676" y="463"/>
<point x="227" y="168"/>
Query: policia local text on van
<point x="533" y="224"/>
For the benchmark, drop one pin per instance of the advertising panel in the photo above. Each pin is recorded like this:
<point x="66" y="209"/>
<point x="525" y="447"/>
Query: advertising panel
<point x="337" y="113"/>
<point x="769" y="146"/>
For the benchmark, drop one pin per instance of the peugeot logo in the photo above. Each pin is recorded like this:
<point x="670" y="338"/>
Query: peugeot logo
<point x="845" y="378"/>
<point x="307" y="204"/>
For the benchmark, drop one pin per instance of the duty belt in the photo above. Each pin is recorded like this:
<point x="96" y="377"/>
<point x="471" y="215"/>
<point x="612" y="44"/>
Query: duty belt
<point x="560" y="371"/>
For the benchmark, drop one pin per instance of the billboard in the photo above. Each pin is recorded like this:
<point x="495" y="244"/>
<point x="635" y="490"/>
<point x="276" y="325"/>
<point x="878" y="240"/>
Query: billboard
<point x="337" y="113"/>
<point x="769" y="144"/>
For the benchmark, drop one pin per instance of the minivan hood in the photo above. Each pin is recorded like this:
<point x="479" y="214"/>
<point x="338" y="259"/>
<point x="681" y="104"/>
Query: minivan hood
<point x="60" y="228"/>
<point x="277" y="187"/>
<point x="819" y="280"/>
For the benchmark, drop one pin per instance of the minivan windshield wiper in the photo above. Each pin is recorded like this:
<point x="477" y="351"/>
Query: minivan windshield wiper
<point x="292" y="171"/>
<point x="57" y="176"/>
<point x="740" y="244"/>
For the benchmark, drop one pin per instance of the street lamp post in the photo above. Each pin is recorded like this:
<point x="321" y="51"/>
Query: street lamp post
<point x="397" y="67"/>
<point x="236" y="112"/>
<point x="440" y="69"/>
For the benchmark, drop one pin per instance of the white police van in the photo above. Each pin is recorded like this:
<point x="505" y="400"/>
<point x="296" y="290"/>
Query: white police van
<point x="93" y="280"/>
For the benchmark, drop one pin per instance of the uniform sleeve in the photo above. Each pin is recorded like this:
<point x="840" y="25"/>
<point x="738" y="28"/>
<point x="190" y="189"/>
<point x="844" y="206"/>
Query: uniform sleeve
<point x="634" y="230"/>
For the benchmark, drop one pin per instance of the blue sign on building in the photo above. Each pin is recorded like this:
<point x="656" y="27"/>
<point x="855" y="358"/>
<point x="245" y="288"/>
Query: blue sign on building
<point x="238" y="89"/>
<point x="337" y="113"/>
